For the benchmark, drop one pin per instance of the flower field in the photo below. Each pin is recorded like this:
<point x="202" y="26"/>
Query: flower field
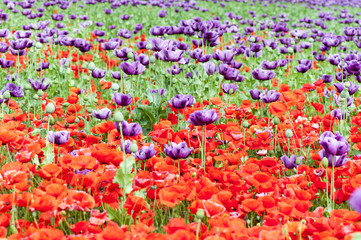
<point x="169" y="120"/>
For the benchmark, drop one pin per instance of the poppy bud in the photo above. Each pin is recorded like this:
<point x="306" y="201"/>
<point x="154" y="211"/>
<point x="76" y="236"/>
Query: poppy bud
<point x="40" y="93"/>
<point x="133" y="147"/>
<point x="6" y="95"/>
<point x="27" y="86"/>
<point x="130" y="55"/>
<point x="66" y="104"/>
<point x="276" y="121"/>
<point x="200" y="213"/>
<point x="35" y="97"/>
<point x="76" y="120"/>
<point x="83" y="66"/>
<point x="91" y="66"/>
<point x="38" y="45"/>
<point x="230" y="91"/>
<point x="347" y="84"/>
<point x="289" y="133"/>
<point x="344" y="94"/>
<point x="252" y="39"/>
<point x="118" y="117"/>
<point x="324" y="162"/>
<point x="194" y="174"/>
<point x="52" y="120"/>
<point x="115" y="87"/>
<point x="50" y="108"/>
<point x="89" y="110"/>
<point x="289" y="50"/>
<point x="298" y="161"/>
<point x="152" y="59"/>
<point x="245" y="124"/>
<point x="149" y="46"/>
<point x="13" y="229"/>
<point x="35" y="132"/>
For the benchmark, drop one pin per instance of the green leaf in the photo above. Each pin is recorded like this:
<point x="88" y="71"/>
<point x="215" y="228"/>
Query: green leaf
<point x="148" y="111"/>
<point x="49" y="154"/>
<point x="125" y="174"/>
<point x="113" y="214"/>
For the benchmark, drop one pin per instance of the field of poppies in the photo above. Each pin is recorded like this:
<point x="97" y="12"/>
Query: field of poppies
<point x="168" y="120"/>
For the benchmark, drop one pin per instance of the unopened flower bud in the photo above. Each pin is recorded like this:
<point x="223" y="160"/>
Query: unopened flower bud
<point x="118" y="117"/>
<point x="91" y="66"/>
<point x="289" y="133"/>
<point x="133" y="147"/>
<point x="276" y="121"/>
<point x="50" y="108"/>
<point x="6" y="95"/>
<point x="200" y="213"/>
<point x="130" y="55"/>
<point x="245" y="124"/>
<point x="115" y="87"/>
<point x="324" y="162"/>
<point x="149" y="46"/>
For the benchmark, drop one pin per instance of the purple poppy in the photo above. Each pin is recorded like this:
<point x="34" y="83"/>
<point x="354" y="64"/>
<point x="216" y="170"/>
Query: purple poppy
<point x="59" y="137"/>
<point x="6" y="63"/>
<point x="334" y="144"/>
<point x="255" y="94"/>
<point x="102" y="114"/>
<point x="134" y="68"/>
<point x="162" y="13"/>
<point x="15" y="91"/>
<point x="203" y="117"/>
<point x="176" y="151"/>
<point x="269" y="65"/>
<point x="210" y="68"/>
<point x="111" y="45"/>
<point x="290" y="163"/>
<point x="355" y="200"/>
<point x="159" y="91"/>
<point x="226" y="88"/>
<point x="116" y="75"/>
<point x="170" y="56"/>
<point x="122" y="99"/>
<point x="37" y="85"/>
<point x="98" y="73"/>
<point x="125" y="147"/>
<point x="263" y="75"/>
<point x="145" y="152"/>
<point x="181" y="101"/>
<point x="4" y="33"/>
<point x="269" y="96"/>
<point x="175" y="70"/>
<point x="339" y="114"/>
<point x="327" y="78"/>
<point x="129" y="129"/>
